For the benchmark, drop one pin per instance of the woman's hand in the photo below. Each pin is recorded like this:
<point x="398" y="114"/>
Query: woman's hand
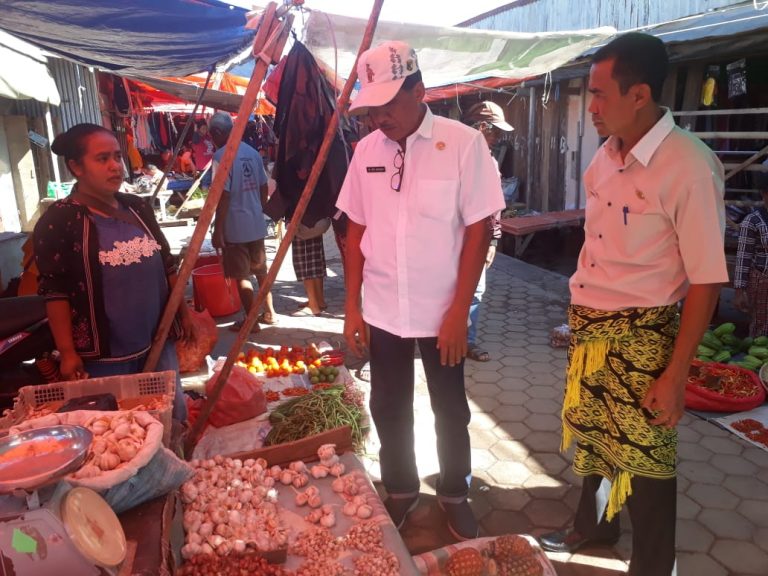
<point x="188" y="327"/>
<point x="71" y="367"/>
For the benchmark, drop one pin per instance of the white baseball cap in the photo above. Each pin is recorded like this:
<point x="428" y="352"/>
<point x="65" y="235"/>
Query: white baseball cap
<point x="382" y="71"/>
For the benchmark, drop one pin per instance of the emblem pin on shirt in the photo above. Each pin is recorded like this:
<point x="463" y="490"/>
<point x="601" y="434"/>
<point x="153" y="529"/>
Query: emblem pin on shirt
<point x="440" y="145"/>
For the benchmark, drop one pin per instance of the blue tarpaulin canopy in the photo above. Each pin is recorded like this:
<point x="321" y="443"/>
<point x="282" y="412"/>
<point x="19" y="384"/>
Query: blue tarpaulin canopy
<point x="148" y="37"/>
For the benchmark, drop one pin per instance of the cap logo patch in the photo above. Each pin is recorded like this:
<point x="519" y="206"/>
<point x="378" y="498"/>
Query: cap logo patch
<point x="397" y="64"/>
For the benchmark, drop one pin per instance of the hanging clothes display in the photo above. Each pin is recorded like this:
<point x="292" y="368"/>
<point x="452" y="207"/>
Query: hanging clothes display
<point x="305" y="105"/>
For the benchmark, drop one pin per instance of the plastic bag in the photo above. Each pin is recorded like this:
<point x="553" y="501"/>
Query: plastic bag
<point x="106" y="479"/>
<point x="560" y="337"/>
<point x="192" y="356"/>
<point x="241" y="399"/>
<point x="163" y="474"/>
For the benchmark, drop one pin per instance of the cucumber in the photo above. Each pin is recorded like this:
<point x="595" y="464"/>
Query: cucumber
<point x="711" y="341"/>
<point x="731" y="341"/>
<point x="726" y="328"/>
<point x="702" y="350"/>
<point x="758" y="352"/>
<point x="721" y="356"/>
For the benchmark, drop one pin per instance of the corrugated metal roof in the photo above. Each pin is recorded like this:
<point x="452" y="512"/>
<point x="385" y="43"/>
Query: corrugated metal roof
<point x="555" y="15"/>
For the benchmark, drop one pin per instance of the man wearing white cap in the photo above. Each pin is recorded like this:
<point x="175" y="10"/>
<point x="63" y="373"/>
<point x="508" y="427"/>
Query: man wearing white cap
<point x="488" y="118"/>
<point x="419" y="193"/>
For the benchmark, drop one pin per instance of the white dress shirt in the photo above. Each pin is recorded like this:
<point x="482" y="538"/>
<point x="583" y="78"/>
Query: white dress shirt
<point x="654" y="223"/>
<point x="413" y="238"/>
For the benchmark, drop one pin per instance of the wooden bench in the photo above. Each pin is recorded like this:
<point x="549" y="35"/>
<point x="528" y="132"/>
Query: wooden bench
<point x="522" y="228"/>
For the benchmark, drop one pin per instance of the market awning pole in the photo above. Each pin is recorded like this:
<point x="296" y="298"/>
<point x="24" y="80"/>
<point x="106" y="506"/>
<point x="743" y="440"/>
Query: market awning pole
<point x="183" y="136"/>
<point x="751" y="160"/>
<point x="268" y="45"/>
<point x="306" y="195"/>
<point x="193" y="189"/>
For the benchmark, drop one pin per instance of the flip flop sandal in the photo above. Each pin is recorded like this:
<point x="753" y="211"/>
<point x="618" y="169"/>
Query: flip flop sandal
<point x="237" y="326"/>
<point x="262" y="319"/>
<point x="305" y="313"/>
<point x="477" y="354"/>
<point x="364" y="372"/>
<point x="305" y="303"/>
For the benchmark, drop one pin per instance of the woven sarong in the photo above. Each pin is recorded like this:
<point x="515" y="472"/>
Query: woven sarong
<point x="613" y="359"/>
<point x="757" y="294"/>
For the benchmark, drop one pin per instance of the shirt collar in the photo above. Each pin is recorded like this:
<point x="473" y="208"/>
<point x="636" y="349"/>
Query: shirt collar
<point x="425" y="128"/>
<point x="644" y="150"/>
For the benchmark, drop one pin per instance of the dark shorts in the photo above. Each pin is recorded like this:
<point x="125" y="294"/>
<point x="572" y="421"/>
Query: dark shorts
<point x="242" y="260"/>
<point x="308" y="258"/>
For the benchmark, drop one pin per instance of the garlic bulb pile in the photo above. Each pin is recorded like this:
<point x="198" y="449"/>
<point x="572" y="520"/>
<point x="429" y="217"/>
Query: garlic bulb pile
<point x="231" y="506"/>
<point x="116" y="440"/>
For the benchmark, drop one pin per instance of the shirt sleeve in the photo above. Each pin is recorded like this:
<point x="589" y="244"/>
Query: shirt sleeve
<point x="350" y="200"/>
<point x="480" y="194"/>
<point x="52" y="246"/>
<point x="215" y="168"/>
<point x="698" y="215"/>
<point x="745" y="252"/>
<point x="261" y="173"/>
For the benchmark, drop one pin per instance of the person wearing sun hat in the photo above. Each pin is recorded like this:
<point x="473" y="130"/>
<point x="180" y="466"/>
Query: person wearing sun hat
<point x="419" y="194"/>
<point x="488" y="118"/>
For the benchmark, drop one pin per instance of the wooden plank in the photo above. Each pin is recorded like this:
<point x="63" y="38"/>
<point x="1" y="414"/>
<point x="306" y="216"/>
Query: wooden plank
<point x="750" y="168"/>
<point x="692" y="92"/>
<point x="524" y="225"/>
<point x="544" y="167"/>
<point x="732" y="135"/>
<point x="733" y="111"/>
<point x="304" y="449"/>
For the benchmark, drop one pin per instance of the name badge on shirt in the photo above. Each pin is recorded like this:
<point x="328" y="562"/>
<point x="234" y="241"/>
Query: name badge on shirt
<point x="373" y="169"/>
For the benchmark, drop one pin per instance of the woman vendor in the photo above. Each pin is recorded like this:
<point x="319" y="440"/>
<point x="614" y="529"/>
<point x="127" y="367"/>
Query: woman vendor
<point x="105" y="267"/>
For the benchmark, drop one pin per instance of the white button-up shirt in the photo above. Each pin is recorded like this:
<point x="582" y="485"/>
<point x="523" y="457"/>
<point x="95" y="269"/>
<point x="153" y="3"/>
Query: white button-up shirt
<point x="654" y="223"/>
<point x="413" y="238"/>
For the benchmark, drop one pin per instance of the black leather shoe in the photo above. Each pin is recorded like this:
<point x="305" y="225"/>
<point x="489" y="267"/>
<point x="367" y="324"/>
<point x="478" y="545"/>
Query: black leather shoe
<point x="570" y="541"/>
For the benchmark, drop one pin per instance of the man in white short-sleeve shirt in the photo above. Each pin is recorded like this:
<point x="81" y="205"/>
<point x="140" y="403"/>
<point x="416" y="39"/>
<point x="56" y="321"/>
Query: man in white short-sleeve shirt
<point x="418" y="193"/>
<point x="654" y="228"/>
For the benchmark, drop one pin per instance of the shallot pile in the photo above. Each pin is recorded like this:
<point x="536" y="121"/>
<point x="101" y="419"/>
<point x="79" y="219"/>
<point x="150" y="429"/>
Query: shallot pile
<point x="247" y="564"/>
<point x="116" y="441"/>
<point x="231" y="513"/>
<point x="231" y="506"/>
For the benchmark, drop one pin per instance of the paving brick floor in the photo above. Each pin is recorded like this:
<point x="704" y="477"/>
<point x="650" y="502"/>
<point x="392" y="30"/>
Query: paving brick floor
<point x="522" y="483"/>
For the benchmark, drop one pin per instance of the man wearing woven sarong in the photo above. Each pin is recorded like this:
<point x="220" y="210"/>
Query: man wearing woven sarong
<point x="654" y="229"/>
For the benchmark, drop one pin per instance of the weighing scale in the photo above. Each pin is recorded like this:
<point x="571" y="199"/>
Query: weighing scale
<point x="47" y="527"/>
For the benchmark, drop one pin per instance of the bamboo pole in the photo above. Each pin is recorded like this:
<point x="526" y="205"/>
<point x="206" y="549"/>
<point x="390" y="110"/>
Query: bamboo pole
<point x="301" y="207"/>
<point x="182" y="137"/>
<point x="268" y="44"/>
<point x="193" y="189"/>
<point x="756" y="156"/>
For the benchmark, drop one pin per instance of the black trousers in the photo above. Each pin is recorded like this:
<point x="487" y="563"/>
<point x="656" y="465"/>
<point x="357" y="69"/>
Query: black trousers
<point x="392" y="391"/>
<point x="653" y="512"/>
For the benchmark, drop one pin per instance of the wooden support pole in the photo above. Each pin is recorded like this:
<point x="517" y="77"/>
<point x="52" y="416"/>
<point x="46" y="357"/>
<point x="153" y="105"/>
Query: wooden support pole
<point x="747" y="162"/>
<point x="268" y="46"/>
<point x="306" y="195"/>
<point x="182" y="138"/>
<point x="193" y="188"/>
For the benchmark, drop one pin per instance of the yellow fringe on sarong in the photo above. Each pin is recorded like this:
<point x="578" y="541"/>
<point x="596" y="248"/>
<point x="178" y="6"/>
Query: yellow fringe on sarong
<point x="587" y="358"/>
<point x="621" y="489"/>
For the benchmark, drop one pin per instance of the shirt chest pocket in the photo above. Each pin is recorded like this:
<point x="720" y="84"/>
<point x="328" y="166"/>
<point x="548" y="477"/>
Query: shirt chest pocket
<point x="437" y="199"/>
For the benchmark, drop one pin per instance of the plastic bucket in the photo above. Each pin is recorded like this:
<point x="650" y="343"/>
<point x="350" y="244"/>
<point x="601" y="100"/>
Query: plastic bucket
<point x="214" y="292"/>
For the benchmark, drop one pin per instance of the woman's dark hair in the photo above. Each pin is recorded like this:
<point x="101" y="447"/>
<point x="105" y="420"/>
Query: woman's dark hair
<point x="637" y="59"/>
<point x="72" y="144"/>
